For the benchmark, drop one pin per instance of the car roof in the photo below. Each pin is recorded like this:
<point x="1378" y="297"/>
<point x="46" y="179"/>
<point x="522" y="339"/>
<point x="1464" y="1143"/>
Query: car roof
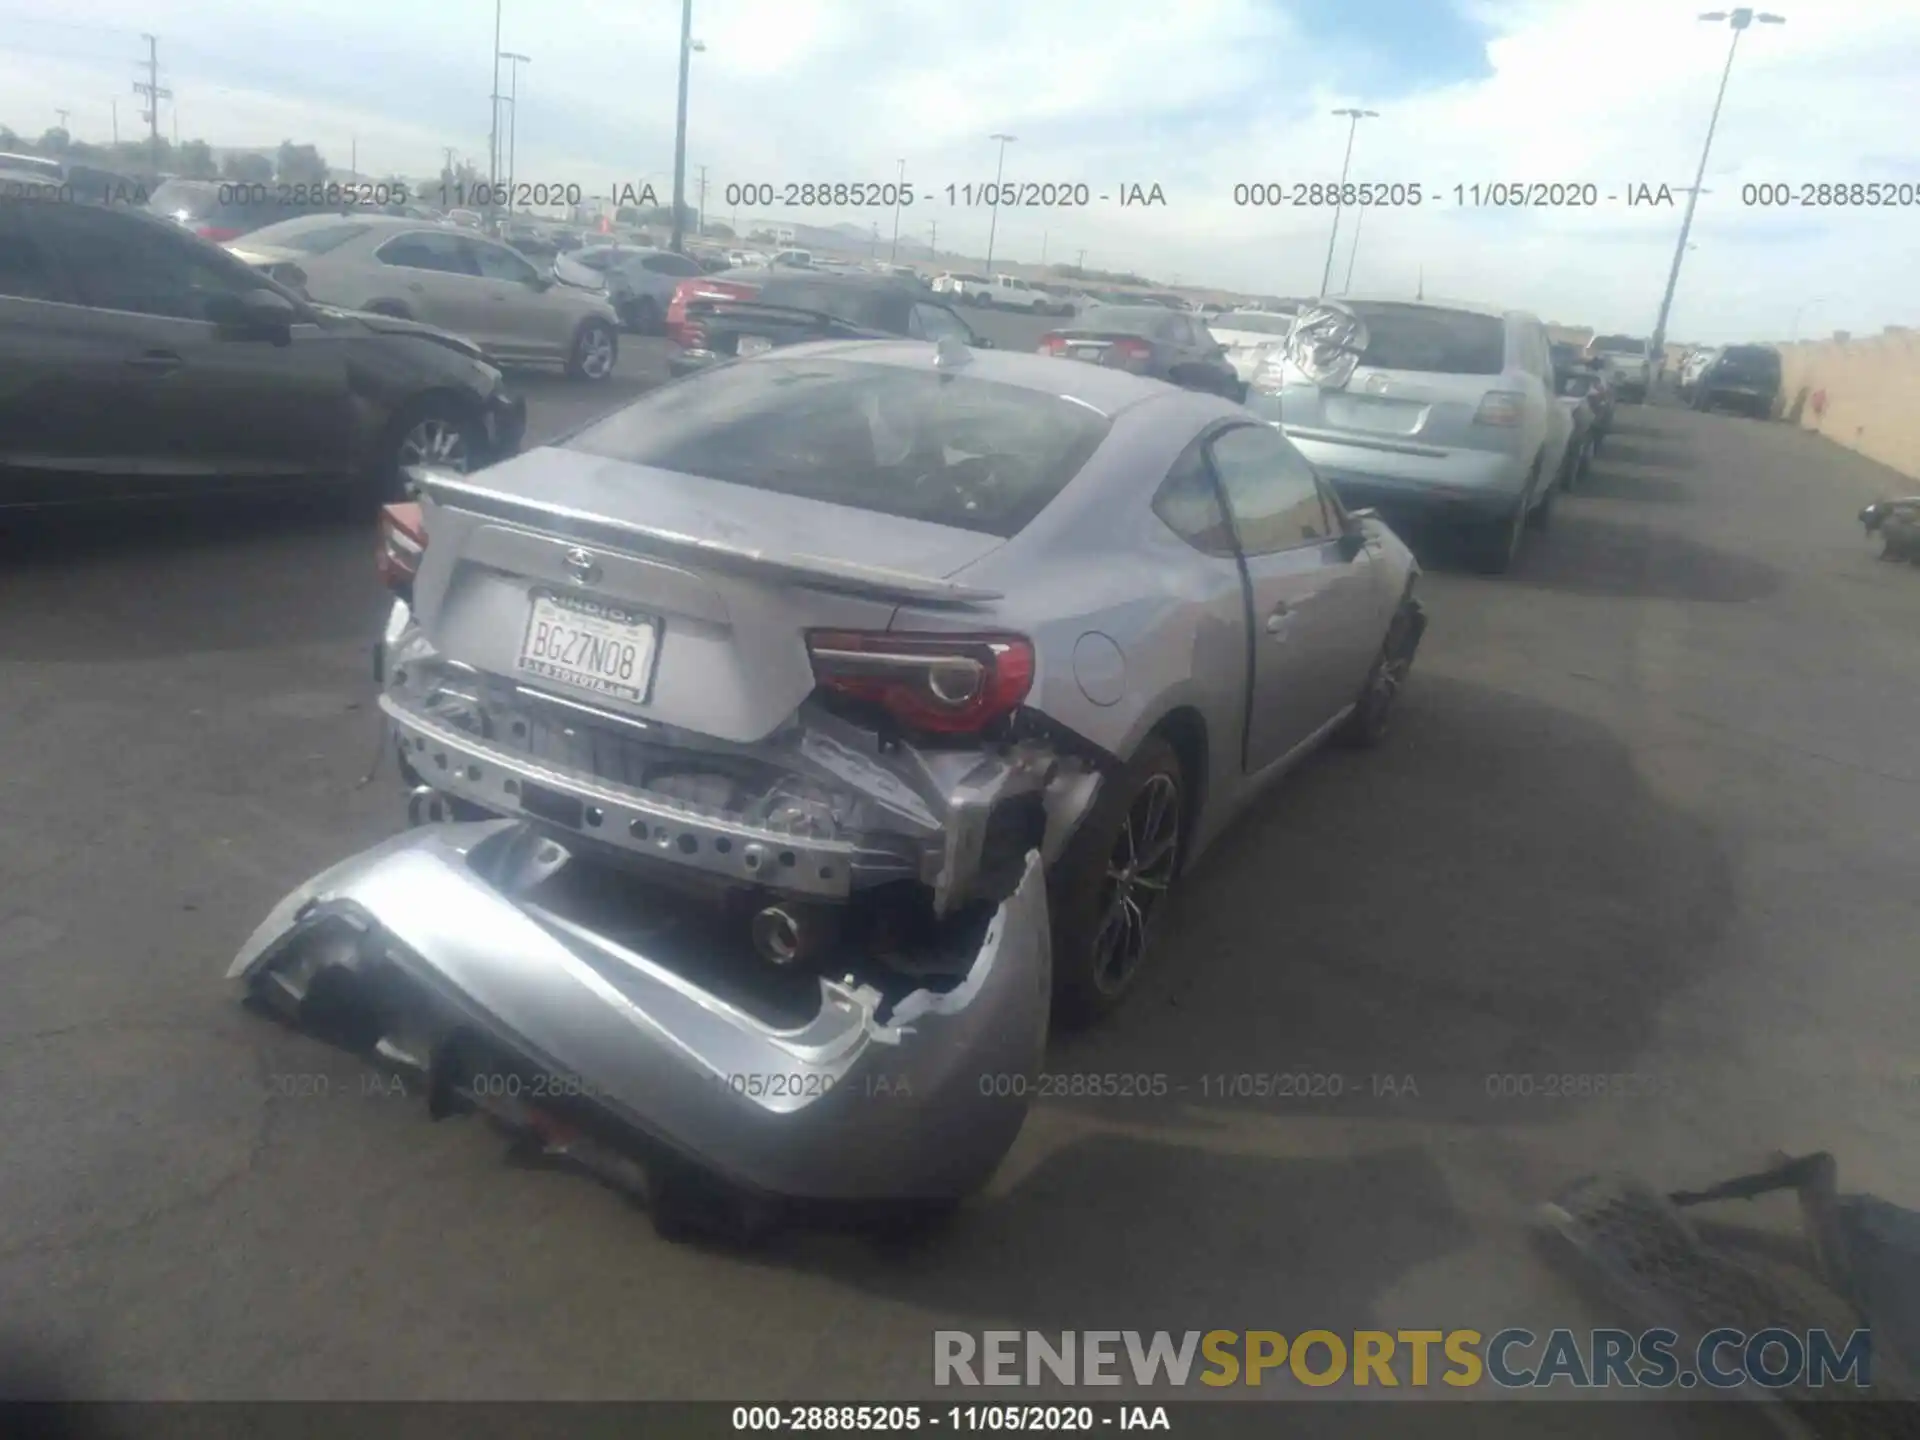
<point x="1106" y="390"/>
<point x="1469" y="307"/>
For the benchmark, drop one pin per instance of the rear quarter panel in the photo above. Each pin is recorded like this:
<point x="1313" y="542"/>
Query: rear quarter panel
<point x="1129" y="622"/>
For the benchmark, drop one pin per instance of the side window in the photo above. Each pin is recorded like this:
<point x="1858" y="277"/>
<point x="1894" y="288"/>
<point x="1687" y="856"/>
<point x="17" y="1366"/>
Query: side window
<point x="25" y="273"/>
<point x="1270" y="489"/>
<point x="1189" y="504"/>
<point x="499" y="263"/>
<point x="936" y="322"/>
<point x="429" y="250"/>
<point x="119" y="263"/>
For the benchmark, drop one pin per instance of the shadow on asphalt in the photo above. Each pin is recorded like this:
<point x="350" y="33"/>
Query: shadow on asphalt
<point x="149" y="581"/>
<point x="1585" y="554"/>
<point x="1660" y="453"/>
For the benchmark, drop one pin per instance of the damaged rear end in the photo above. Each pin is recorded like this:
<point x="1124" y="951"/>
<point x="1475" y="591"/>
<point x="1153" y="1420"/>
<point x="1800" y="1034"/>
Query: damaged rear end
<point x="606" y="1024"/>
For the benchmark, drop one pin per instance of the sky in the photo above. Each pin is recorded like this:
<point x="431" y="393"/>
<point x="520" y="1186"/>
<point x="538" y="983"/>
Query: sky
<point x="1194" y="96"/>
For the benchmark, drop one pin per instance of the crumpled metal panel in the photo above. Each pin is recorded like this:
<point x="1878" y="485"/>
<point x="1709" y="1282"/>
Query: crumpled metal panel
<point x="860" y="1103"/>
<point x="1326" y="343"/>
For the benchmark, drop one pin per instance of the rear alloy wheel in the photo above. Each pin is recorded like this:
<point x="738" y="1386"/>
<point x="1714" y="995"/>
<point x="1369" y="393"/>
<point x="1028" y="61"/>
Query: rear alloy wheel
<point x="596" y="349"/>
<point x="1109" y="890"/>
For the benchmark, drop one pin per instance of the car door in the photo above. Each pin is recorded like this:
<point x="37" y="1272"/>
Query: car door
<point x="1310" y="591"/>
<point x="436" y="276"/>
<point x="522" y="323"/>
<point x="205" y="402"/>
<point x="61" y="376"/>
<point x="661" y="275"/>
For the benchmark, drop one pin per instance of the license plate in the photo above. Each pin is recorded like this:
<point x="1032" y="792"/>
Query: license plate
<point x="753" y="345"/>
<point x="1087" y="352"/>
<point x="590" y="645"/>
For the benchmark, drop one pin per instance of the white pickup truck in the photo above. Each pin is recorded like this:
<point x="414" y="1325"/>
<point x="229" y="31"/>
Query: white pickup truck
<point x="1011" y="293"/>
<point x="972" y="289"/>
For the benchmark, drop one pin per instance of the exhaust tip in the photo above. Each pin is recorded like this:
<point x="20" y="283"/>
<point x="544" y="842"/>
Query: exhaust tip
<point x="778" y="936"/>
<point x="427" y="806"/>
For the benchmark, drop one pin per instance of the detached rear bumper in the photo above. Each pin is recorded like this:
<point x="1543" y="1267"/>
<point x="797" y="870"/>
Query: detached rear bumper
<point x="435" y="943"/>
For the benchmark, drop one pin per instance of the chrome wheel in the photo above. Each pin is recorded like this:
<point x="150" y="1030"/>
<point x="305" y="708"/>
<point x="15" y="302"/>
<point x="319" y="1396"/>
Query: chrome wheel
<point x="596" y="352"/>
<point x="1139" y="873"/>
<point x="436" y="442"/>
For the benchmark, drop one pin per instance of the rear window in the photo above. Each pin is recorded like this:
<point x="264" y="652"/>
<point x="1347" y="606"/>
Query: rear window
<point x="872" y="309"/>
<point x="1751" y="359"/>
<point x="1620" y="345"/>
<point x="1435" y="341"/>
<point x="1132" y="319"/>
<point x="943" y="448"/>
<point x="1254" y="322"/>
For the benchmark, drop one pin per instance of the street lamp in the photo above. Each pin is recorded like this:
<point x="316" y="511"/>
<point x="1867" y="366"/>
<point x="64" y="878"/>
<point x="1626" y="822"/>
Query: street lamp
<point x="993" y="225"/>
<point x="688" y="45"/>
<point x="1737" y="21"/>
<point x="513" y="119"/>
<point x="893" y="255"/>
<point x="493" y="127"/>
<point x="1354" y="117"/>
<point x="1359" y="219"/>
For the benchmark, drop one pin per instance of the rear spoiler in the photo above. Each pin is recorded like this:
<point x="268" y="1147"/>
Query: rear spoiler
<point x="815" y="572"/>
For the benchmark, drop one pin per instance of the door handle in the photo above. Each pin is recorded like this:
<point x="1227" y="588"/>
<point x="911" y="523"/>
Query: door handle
<point x="159" y="362"/>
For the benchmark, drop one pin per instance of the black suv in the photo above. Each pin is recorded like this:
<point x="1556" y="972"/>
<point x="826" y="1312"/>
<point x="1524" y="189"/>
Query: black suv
<point x="138" y="361"/>
<point x="790" y="309"/>
<point x="1744" y="378"/>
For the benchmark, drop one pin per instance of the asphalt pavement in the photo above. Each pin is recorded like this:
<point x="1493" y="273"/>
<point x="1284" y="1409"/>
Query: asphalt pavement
<point x="1649" y="812"/>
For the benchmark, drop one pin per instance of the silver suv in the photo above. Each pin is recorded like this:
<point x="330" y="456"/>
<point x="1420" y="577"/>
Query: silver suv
<point x="1423" y="409"/>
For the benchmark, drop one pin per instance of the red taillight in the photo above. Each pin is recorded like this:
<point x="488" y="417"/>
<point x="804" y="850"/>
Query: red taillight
<point x="1129" y="350"/>
<point x="403" y="540"/>
<point x="220" y="233"/>
<point x="1052" y="345"/>
<point x="941" y="684"/>
<point x="1505" y="408"/>
<point x="691" y="334"/>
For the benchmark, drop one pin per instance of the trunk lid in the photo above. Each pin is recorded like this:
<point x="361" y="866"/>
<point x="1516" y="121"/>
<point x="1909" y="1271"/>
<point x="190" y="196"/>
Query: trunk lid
<point x="664" y="597"/>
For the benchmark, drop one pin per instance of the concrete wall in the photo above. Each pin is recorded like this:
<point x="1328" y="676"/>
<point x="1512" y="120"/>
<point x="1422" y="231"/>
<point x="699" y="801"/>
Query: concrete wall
<point x="1861" y="392"/>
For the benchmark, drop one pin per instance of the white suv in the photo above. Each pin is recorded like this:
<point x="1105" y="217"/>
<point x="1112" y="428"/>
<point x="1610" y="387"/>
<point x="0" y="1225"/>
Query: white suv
<point x="1632" y="361"/>
<point x="974" y="289"/>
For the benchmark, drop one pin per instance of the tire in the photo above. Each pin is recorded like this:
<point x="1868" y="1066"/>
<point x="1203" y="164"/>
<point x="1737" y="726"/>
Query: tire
<point x="434" y="430"/>
<point x="1372" y="715"/>
<point x="595" y="353"/>
<point x="1092" y="913"/>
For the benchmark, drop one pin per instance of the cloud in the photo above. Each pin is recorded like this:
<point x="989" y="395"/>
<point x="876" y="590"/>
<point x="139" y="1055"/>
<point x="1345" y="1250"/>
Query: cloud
<point x="1196" y="97"/>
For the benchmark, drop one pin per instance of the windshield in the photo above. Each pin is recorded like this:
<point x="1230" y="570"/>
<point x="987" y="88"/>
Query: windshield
<point x="1433" y="340"/>
<point x="951" y="450"/>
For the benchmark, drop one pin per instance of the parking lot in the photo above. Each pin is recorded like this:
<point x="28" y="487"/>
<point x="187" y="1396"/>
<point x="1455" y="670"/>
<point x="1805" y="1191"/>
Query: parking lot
<point x="1648" y="812"/>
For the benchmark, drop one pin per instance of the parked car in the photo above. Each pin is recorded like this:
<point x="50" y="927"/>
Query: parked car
<point x="138" y="361"/>
<point x="222" y="210"/>
<point x="860" y="683"/>
<point x="1897" y="522"/>
<point x="1633" y="363"/>
<point x="1575" y="388"/>
<point x="1148" y="340"/>
<point x="640" y="281"/>
<point x="1599" y="393"/>
<point x="1745" y="378"/>
<point x="1694" y="366"/>
<point x="964" y="287"/>
<point x="530" y="238"/>
<point x="1424" y="408"/>
<point x="1249" y="336"/>
<point x="448" y="277"/>
<point x="792" y="260"/>
<point x="790" y="309"/>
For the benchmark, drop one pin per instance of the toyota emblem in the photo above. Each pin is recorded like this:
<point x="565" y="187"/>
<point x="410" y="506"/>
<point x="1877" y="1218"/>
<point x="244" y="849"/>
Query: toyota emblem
<point x="581" y="565"/>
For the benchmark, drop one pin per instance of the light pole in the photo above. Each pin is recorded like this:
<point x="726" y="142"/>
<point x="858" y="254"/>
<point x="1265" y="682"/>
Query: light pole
<point x="1354" y="117"/>
<point x="1737" y="21"/>
<point x="513" y="118"/>
<point x="1353" y="251"/>
<point x="993" y="225"/>
<point x="1805" y="306"/>
<point x="687" y="46"/>
<point x="894" y="254"/>
<point x="493" y="126"/>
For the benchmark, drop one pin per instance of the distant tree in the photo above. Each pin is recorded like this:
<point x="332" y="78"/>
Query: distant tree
<point x="11" y="141"/>
<point x="250" y="168"/>
<point x="55" y="141"/>
<point x="196" y="161"/>
<point x="299" y="165"/>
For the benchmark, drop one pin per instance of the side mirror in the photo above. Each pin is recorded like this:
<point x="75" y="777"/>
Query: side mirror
<point x="256" y="315"/>
<point x="1352" y="541"/>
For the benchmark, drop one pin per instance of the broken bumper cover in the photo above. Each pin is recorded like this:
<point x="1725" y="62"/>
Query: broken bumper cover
<point x="919" y="1101"/>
